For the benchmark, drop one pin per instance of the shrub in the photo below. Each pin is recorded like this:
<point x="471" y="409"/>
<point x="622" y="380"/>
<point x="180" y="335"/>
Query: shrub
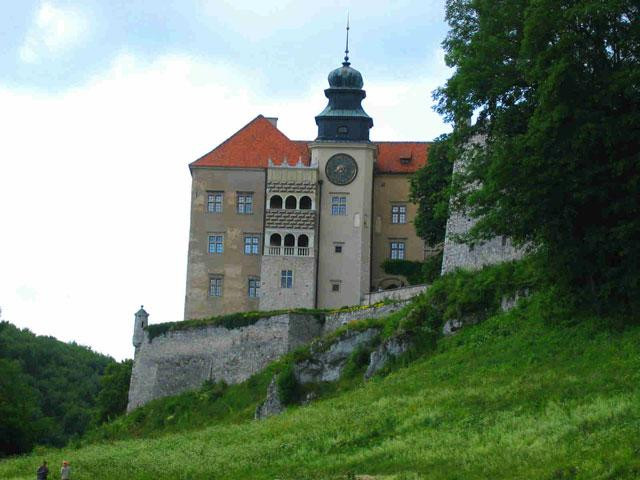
<point x="356" y="362"/>
<point x="288" y="386"/>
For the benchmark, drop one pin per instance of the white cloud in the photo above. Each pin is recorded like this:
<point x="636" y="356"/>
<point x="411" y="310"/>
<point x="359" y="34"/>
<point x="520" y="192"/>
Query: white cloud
<point x="95" y="189"/>
<point x="54" y="30"/>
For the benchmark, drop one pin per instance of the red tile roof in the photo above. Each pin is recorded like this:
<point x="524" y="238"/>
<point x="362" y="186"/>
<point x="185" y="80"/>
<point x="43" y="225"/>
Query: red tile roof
<point x="401" y="157"/>
<point x="254" y="144"/>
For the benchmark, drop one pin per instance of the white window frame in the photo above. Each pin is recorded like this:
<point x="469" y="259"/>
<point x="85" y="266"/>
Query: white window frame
<point x="216" y="285"/>
<point x="397" y="249"/>
<point x="338" y="205"/>
<point x="253" y="290"/>
<point x="215" y="201"/>
<point x="399" y="214"/>
<point x="244" y="203"/>
<point x="252" y="241"/>
<point x="286" y="278"/>
<point x="218" y="246"/>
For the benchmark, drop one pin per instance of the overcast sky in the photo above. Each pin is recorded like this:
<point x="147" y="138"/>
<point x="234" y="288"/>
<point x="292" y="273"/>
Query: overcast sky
<point x="103" y="104"/>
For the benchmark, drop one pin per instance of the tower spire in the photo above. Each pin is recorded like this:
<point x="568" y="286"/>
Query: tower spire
<point x="346" y="49"/>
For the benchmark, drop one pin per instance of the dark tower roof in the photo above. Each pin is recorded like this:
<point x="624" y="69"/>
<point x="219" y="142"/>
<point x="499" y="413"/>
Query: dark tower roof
<point x="344" y="119"/>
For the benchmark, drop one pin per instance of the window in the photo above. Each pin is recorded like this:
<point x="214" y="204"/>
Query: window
<point x="305" y="203"/>
<point x="398" y="214"/>
<point x="245" y="203"/>
<point x="343" y="130"/>
<point x="337" y="247"/>
<point x="275" y="202"/>
<point x="338" y="205"/>
<point x="215" y="286"/>
<point x="251" y="244"/>
<point x="291" y="202"/>
<point x="335" y="286"/>
<point x="397" y="250"/>
<point x="286" y="279"/>
<point x="275" y="240"/>
<point x="216" y="243"/>
<point x="214" y="202"/>
<point x="254" y="287"/>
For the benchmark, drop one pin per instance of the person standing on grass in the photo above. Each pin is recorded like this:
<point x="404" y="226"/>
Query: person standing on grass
<point x="42" y="472"/>
<point x="65" y="471"/>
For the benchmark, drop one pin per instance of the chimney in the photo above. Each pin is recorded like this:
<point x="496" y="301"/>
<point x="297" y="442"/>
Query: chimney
<point x="273" y="121"/>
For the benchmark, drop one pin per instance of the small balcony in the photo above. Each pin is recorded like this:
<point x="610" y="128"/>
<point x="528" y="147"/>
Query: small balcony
<point x="289" y="246"/>
<point x="288" y="251"/>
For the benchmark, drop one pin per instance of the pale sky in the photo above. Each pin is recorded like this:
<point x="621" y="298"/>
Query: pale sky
<point x="103" y="104"/>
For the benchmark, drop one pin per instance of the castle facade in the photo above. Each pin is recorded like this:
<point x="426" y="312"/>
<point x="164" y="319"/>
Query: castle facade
<point x="279" y="223"/>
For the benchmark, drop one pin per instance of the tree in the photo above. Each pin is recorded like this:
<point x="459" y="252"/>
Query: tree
<point x="556" y="87"/>
<point x="114" y="391"/>
<point x="63" y="380"/>
<point x="19" y="411"/>
<point x="430" y="191"/>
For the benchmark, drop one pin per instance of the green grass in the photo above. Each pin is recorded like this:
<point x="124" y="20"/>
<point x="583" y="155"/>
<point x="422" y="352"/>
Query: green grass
<point x="513" y="397"/>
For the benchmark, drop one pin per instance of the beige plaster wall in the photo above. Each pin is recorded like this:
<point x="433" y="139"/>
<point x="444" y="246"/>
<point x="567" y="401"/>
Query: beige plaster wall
<point x="352" y="266"/>
<point x="390" y="189"/>
<point x="233" y="264"/>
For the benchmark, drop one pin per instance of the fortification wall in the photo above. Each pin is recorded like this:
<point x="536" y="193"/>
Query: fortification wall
<point x="334" y="321"/>
<point x="458" y="255"/>
<point x="397" y="294"/>
<point x="182" y="360"/>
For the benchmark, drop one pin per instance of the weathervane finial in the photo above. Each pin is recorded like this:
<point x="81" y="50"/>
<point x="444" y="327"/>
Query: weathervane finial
<point x="346" y="50"/>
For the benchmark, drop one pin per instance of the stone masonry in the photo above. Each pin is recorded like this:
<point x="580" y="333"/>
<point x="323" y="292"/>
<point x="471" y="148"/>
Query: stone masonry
<point x="182" y="360"/>
<point x="460" y="255"/>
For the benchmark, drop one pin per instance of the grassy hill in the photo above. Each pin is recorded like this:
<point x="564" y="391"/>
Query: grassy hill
<point x="514" y="397"/>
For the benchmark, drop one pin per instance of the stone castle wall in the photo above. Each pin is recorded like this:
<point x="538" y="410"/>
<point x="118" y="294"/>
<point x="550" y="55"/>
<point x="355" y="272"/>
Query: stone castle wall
<point x="182" y="360"/>
<point x="458" y="255"/>
<point x="397" y="294"/>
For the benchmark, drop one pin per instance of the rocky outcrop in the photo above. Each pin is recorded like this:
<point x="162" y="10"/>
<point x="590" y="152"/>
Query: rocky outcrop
<point x="272" y="405"/>
<point x="386" y="351"/>
<point x="510" y="301"/>
<point x="327" y="366"/>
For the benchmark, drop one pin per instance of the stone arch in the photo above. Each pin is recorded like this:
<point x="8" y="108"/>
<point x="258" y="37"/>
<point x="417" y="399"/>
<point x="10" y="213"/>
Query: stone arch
<point x="275" y="240"/>
<point x="303" y="240"/>
<point x="275" y="202"/>
<point x="305" y="202"/>
<point x="390" y="283"/>
<point x="291" y="203"/>
<point x="289" y="240"/>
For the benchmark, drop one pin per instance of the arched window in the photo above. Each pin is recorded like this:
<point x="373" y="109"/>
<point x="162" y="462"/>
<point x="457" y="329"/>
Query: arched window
<point x="290" y="203"/>
<point x="275" y="240"/>
<point x="305" y="203"/>
<point x="289" y="240"/>
<point x="275" y="201"/>
<point x="303" y="240"/>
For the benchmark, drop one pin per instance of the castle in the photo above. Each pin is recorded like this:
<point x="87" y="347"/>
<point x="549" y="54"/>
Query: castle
<point x="279" y="223"/>
<point x="283" y="224"/>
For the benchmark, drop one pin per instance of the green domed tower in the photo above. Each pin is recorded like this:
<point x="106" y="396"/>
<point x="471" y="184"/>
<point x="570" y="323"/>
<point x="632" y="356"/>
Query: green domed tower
<point x="344" y="119"/>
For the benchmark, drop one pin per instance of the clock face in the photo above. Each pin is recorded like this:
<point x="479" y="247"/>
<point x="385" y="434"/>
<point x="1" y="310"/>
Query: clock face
<point x="341" y="169"/>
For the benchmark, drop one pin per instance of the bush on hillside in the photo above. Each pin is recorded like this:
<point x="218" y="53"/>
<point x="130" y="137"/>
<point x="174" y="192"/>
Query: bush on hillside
<point x="114" y="391"/>
<point x="416" y="273"/>
<point x="56" y="382"/>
